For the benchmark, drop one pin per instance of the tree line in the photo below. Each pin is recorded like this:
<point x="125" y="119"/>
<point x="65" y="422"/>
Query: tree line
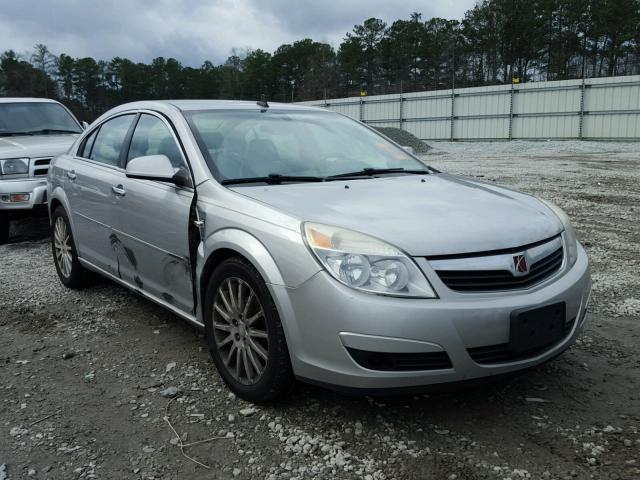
<point x="497" y="41"/>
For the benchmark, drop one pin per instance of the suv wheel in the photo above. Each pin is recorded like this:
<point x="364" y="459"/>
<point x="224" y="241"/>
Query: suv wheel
<point x="4" y="228"/>
<point x="72" y="274"/>
<point x="244" y="333"/>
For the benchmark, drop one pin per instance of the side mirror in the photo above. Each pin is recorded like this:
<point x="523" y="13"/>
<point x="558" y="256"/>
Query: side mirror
<point x="409" y="149"/>
<point x="84" y="124"/>
<point x="154" y="167"/>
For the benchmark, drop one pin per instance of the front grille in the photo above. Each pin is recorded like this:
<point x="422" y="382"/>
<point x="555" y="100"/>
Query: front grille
<point x="400" y="361"/>
<point x="492" y="354"/>
<point x="494" y="280"/>
<point x="42" y="161"/>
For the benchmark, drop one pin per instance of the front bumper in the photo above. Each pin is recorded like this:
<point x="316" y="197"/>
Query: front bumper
<point x="323" y="317"/>
<point x="35" y="188"/>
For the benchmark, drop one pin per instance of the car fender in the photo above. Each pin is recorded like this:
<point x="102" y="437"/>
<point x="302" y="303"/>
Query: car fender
<point x="249" y="247"/>
<point x="60" y="195"/>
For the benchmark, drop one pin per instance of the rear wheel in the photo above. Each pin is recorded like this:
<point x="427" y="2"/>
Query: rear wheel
<point x="244" y="333"/>
<point x="71" y="273"/>
<point x="4" y="228"/>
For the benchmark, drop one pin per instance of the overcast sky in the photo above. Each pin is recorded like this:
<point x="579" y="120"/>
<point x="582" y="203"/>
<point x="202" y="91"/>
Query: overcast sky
<point x="193" y="30"/>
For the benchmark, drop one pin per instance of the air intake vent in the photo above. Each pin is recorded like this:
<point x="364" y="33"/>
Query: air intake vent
<point x="400" y="361"/>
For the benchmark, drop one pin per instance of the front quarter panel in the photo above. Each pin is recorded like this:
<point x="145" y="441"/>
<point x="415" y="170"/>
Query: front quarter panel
<point x="56" y="184"/>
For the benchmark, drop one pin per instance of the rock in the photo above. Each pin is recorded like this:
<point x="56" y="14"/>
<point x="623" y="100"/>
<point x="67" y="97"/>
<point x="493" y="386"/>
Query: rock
<point x="358" y="428"/>
<point x="68" y="355"/>
<point x="536" y="400"/>
<point x="236" y="472"/>
<point x="148" y="449"/>
<point x="4" y="474"/>
<point x="609" y="429"/>
<point x="231" y="418"/>
<point x="170" y="366"/>
<point x="170" y="392"/>
<point x="17" y="431"/>
<point x="246" y="412"/>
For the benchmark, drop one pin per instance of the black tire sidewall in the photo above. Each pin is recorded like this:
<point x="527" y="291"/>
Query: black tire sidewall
<point x="4" y="227"/>
<point x="277" y="376"/>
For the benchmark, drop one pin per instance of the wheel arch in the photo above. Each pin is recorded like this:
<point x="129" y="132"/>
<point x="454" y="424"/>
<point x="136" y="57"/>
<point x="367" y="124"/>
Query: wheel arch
<point x="233" y="242"/>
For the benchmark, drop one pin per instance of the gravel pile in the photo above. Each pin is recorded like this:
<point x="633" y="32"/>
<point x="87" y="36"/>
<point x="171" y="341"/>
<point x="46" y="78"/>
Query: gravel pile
<point x="405" y="139"/>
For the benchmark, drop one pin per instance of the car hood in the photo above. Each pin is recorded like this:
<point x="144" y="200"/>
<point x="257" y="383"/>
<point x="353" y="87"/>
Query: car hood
<point x="36" y="145"/>
<point x="430" y="215"/>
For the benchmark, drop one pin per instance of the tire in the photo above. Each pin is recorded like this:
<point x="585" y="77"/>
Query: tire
<point x="4" y="228"/>
<point x="248" y="349"/>
<point x="65" y="257"/>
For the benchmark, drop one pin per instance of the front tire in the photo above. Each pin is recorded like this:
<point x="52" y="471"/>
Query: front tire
<point x="244" y="333"/>
<point x="65" y="257"/>
<point x="4" y="228"/>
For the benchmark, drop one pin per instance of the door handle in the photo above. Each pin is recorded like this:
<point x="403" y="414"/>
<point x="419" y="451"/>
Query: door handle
<point x="118" y="190"/>
<point x="71" y="175"/>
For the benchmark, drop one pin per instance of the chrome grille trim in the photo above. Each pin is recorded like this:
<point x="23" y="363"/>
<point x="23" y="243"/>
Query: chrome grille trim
<point x="497" y="272"/>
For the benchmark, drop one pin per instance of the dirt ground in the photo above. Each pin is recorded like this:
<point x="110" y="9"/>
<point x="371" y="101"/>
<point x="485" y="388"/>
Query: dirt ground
<point x="81" y="373"/>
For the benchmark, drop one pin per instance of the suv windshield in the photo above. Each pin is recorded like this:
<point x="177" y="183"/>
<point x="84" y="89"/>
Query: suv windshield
<point x="274" y="144"/>
<point x="36" y="118"/>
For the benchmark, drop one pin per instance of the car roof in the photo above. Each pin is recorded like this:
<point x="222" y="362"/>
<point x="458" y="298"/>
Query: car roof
<point x="187" y="105"/>
<point x="26" y="100"/>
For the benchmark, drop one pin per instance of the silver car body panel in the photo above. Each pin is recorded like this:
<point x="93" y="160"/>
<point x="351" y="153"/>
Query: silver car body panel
<point x="440" y="217"/>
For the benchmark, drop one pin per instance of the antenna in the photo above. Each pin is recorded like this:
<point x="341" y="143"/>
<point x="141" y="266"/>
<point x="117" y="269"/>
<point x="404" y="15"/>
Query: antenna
<point x="262" y="103"/>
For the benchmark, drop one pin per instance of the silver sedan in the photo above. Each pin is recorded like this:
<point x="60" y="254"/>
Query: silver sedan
<point x="309" y="246"/>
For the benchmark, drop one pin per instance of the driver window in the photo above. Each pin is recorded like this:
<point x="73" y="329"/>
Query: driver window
<point x="153" y="137"/>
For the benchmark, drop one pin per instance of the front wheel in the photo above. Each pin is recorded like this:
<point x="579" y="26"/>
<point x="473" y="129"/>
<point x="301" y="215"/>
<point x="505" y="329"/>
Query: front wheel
<point x="244" y="333"/>
<point x="65" y="257"/>
<point x="4" y="228"/>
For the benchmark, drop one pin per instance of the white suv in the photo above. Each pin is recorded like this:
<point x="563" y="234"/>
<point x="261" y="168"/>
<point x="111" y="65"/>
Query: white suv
<point x="32" y="132"/>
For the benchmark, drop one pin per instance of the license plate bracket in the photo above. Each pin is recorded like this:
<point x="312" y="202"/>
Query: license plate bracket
<point x="534" y="329"/>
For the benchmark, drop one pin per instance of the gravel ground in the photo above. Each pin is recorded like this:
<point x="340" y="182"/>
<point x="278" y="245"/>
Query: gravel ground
<point x="86" y="377"/>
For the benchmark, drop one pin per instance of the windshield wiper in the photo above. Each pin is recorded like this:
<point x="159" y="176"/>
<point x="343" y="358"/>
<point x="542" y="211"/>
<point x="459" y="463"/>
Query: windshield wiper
<point x="45" y="131"/>
<point x="369" y="172"/>
<point x="271" y="179"/>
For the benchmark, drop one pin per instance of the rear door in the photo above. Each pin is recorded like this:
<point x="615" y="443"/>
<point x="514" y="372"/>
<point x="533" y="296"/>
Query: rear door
<point x="97" y="170"/>
<point x="151" y="222"/>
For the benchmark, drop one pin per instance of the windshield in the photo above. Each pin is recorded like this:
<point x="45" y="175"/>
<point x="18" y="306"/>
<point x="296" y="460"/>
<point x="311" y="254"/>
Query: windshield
<point x="36" y="118"/>
<point x="253" y="144"/>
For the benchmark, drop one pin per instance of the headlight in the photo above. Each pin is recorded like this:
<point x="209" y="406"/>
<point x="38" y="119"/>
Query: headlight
<point x="569" y="233"/>
<point x="365" y="263"/>
<point x="14" y="166"/>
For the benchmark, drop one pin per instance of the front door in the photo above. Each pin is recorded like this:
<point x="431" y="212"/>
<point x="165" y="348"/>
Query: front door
<point x="151" y="226"/>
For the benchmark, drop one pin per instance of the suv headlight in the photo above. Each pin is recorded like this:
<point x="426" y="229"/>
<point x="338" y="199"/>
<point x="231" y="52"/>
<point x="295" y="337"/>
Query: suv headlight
<point x="569" y="233"/>
<point x="366" y="263"/>
<point x="14" y="166"/>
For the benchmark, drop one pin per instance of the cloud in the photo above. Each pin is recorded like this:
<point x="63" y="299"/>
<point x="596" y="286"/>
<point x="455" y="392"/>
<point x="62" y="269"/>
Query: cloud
<point x="192" y="30"/>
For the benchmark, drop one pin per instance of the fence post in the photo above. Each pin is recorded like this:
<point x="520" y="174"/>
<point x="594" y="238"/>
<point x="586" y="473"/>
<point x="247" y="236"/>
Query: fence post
<point x="401" y="109"/>
<point x="361" y="113"/>
<point x="581" y="121"/>
<point x="453" y="97"/>
<point x="511" y="112"/>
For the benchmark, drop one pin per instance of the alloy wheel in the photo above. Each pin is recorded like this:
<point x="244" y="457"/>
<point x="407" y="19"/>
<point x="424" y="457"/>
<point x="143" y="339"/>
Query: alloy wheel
<point x="240" y="330"/>
<point x="62" y="246"/>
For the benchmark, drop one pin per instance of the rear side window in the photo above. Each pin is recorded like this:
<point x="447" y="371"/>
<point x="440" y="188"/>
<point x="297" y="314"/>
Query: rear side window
<point x="153" y="137"/>
<point x="108" y="143"/>
<point x="85" y="149"/>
